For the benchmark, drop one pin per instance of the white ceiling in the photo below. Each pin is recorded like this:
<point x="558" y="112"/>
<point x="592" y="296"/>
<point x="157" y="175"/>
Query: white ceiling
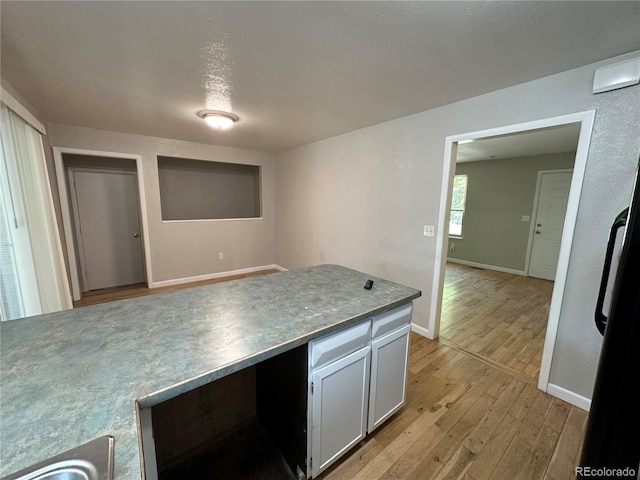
<point x="542" y="141"/>
<point x="294" y="72"/>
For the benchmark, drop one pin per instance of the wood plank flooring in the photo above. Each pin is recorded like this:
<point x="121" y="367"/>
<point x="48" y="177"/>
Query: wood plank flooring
<point x="467" y="420"/>
<point x="496" y="316"/>
<point x="140" y="289"/>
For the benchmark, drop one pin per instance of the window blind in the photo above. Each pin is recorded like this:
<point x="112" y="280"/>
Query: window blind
<point x="32" y="229"/>
<point x="11" y="305"/>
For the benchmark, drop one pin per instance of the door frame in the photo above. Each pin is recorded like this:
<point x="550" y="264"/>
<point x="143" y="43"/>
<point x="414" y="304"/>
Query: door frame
<point x="534" y="213"/>
<point x="586" y="120"/>
<point x="67" y="213"/>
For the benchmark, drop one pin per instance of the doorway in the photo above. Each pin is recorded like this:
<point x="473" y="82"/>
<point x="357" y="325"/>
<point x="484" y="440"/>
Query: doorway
<point x="515" y="203"/>
<point x="584" y="121"/>
<point x="104" y="217"/>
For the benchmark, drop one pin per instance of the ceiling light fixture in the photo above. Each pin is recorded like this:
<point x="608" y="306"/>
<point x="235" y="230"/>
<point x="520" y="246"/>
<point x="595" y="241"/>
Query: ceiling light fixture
<point x="218" y="119"/>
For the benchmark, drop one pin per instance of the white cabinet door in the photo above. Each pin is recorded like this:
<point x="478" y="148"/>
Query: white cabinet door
<point x="106" y="213"/>
<point x="340" y="396"/>
<point x="389" y="362"/>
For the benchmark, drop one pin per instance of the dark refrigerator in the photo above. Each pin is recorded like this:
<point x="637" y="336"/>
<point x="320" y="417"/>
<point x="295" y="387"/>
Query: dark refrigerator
<point x="611" y="446"/>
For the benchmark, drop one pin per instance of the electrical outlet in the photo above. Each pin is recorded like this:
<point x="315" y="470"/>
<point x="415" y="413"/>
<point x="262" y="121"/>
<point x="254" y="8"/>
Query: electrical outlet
<point x="526" y="218"/>
<point x="429" y="231"/>
<point x="452" y="247"/>
<point x="220" y="255"/>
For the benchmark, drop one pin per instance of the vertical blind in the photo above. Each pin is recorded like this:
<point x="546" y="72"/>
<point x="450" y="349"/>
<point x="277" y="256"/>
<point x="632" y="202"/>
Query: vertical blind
<point x="32" y="229"/>
<point x="11" y="305"/>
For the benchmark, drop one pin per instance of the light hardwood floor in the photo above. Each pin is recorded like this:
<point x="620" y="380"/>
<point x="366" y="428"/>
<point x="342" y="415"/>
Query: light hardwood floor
<point x="467" y="420"/>
<point x="496" y="316"/>
<point x="130" y="291"/>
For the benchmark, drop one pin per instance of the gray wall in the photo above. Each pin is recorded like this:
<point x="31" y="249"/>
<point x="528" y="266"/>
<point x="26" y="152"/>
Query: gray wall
<point x="197" y="189"/>
<point x="187" y="249"/>
<point x="499" y="193"/>
<point x="361" y="199"/>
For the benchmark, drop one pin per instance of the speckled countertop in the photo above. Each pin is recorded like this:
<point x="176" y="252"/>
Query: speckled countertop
<point x="70" y="377"/>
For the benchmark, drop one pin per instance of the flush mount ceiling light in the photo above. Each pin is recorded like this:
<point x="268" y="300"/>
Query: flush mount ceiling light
<point x="218" y="119"/>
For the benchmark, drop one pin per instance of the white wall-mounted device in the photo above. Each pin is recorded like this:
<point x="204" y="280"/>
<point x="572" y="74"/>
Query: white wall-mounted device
<point x="617" y="75"/>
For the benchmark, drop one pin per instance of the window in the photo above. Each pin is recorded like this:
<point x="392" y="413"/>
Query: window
<point x="33" y="274"/>
<point x="11" y="304"/>
<point x="458" y="198"/>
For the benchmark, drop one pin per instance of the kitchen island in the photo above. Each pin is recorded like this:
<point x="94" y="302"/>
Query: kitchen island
<point x="70" y="377"/>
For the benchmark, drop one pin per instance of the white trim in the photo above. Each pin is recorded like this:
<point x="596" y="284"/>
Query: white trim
<point x="66" y="210"/>
<point x="146" y="445"/>
<point x="420" y="330"/>
<point x="486" y="267"/>
<point x="442" y="237"/>
<point x="195" y="220"/>
<point x="11" y="102"/>
<point x="210" y="276"/>
<point x="568" y="230"/>
<point x="534" y="213"/>
<point x="568" y="396"/>
<point x="586" y="120"/>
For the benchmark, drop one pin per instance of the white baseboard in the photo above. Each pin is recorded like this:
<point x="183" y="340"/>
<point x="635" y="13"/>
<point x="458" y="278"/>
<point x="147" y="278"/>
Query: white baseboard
<point x="421" y="331"/>
<point x="486" y="267"/>
<point x="568" y="396"/>
<point x="210" y="276"/>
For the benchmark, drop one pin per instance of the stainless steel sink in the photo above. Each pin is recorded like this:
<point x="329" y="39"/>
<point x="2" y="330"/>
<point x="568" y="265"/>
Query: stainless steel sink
<point x="90" y="461"/>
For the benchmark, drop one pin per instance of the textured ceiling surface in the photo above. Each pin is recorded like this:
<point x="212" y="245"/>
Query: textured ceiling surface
<point x="294" y="72"/>
<point x="542" y="141"/>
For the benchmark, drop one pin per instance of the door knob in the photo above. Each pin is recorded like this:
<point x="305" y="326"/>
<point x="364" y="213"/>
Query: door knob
<point x="538" y="225"/>
<point x="538" y="232"/>
<point x="136" y="235"/>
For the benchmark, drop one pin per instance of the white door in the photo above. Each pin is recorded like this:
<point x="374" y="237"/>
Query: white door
<point x="549" y="221"/>
<point x="339" y="408"/>
<point x="106" y="212"/>
<point x="389" y="362"/>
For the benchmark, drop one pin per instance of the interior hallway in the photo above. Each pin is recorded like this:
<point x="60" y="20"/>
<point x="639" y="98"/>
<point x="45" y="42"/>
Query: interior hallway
<point x="498" y="317"/>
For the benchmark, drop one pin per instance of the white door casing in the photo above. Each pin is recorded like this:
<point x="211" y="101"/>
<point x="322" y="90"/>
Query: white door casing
<point x="586" y="120"/>
<point x="106" y="214"/>
<point x="552" y="195"/>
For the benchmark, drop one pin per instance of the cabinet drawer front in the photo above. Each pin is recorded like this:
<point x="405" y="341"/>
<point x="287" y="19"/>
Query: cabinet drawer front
<point x="389" y="321"/>
<point x="332" y="347"/>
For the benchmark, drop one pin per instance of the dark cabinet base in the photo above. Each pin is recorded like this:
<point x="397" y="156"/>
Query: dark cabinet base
<point x="247" y="454"/>
<point x="249" y="425"/>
